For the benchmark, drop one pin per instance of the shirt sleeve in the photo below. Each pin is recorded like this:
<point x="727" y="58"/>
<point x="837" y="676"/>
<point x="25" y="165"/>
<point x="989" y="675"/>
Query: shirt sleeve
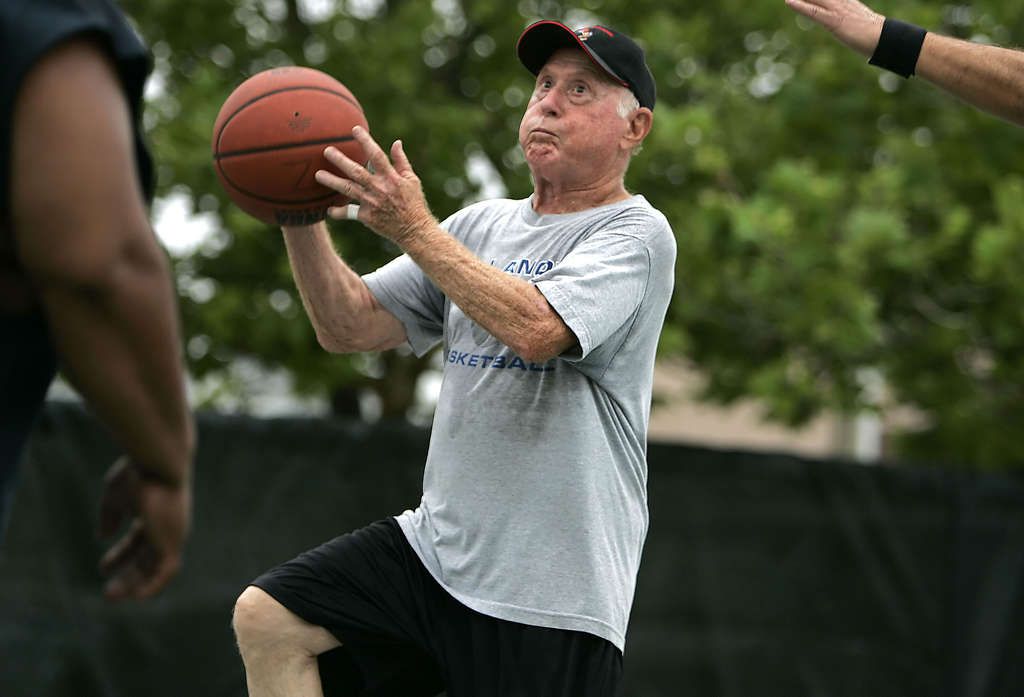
<point x="405" y="291"/>
<point x="597" y="288"/>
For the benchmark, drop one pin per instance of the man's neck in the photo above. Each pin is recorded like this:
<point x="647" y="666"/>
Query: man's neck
<point x="549" y="198"/>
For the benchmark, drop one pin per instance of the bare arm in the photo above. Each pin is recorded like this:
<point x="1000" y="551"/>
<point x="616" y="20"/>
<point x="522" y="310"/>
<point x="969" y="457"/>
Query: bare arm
<point x="345" y="314"/>
<point x="82" y="235"/>
<point x="392" y="204"/>
<point x="510" y="309"/>
<point x="987" y="77"/>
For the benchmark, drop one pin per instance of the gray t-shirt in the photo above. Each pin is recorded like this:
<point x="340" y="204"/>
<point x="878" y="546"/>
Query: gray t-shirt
<point x="534" y="504"/>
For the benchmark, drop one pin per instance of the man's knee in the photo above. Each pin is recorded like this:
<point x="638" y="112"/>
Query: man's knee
<point x="257" y="615"/>
<point x="249" y="612"/>
<point x="259" y="621"/>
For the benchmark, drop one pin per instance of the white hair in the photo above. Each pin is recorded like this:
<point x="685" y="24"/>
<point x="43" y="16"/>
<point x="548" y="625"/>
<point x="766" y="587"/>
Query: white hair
<point x="628" y="103"/>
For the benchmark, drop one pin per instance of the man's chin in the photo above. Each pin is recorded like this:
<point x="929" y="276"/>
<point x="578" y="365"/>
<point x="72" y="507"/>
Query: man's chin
<point x="540" y="154"/>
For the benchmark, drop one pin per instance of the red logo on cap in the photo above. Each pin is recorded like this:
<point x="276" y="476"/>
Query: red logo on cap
<point x="586" y="32"/>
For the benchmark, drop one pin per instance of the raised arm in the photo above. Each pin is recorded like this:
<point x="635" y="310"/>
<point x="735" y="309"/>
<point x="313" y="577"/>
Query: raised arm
<point x="392" y="205"/>
<point x="345" y="314"/>
<point x="987" y="77"/>
<point x="84" y="240"/>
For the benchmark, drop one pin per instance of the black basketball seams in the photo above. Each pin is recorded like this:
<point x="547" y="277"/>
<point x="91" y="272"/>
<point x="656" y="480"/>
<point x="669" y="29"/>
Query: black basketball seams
<point x="219" y="156"/>
<point x="267" y="199"/>
<point x="282" y="146"/>
<point x="252" y="101"/>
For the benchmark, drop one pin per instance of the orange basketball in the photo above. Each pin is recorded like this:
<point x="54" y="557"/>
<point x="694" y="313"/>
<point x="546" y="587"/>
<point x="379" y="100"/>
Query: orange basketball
<point x="269" y="139"/>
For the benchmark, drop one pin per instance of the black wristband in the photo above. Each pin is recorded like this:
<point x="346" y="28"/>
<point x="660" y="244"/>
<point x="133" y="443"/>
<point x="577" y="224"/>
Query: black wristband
<point x="898" y="47"/>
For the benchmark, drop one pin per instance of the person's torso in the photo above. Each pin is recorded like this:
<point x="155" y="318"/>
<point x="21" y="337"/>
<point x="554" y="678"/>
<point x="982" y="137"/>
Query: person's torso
<point x="535" y="484"/>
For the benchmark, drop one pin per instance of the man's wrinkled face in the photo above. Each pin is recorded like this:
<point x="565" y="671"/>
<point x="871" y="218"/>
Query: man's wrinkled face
<point x="573" y="117"/>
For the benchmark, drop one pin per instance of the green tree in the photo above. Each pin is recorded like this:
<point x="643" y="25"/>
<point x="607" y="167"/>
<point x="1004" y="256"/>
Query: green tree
<point x="437" y="76"/>
<point x="832" y="220"/>
<point x="838" y="220"/>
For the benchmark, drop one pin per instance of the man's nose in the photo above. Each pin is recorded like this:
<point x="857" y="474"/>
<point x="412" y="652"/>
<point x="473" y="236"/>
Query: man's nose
<point x="551" y="103"/>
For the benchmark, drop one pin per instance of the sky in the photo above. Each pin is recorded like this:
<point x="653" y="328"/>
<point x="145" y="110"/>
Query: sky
<point x="179" y="230"/>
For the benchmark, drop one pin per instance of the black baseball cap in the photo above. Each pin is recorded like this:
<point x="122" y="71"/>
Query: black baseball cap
<point x="613" y="52"/>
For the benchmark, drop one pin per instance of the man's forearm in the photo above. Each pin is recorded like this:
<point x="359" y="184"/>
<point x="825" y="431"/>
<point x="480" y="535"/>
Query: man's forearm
<point x="344" y="314"/>
<point x="120" y="345"/>
<point x="510" y="309"/>
<point x="988" y="77"/>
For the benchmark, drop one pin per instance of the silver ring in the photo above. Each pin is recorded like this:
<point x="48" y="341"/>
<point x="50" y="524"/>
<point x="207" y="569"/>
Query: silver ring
<point x="352" y="211"/>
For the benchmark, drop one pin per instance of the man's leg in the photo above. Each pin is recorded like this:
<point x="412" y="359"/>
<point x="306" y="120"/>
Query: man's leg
<point x="278" y="648"/>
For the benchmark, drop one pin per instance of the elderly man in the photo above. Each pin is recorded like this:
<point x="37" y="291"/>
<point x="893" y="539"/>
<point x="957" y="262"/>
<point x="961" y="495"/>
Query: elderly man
<point x="515" y="574"/>
<point x="987" y="77"/>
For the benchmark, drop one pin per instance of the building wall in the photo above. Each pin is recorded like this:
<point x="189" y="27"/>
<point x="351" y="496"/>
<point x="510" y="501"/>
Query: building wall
<point x="678" y="417"/>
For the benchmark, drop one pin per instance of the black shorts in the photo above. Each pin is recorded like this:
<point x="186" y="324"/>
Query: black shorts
<point x="403" y="635"/>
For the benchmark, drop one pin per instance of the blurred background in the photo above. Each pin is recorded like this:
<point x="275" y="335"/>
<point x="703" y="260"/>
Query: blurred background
<point x="848" y="292"/>
<point x="849" y="242"/>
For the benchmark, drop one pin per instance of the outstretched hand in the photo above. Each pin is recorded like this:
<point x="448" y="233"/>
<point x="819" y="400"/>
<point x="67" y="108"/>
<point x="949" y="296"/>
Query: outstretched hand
<point x="158" y="514"/>
<point x="852" y="22"/>
<point x="389" y="196"/>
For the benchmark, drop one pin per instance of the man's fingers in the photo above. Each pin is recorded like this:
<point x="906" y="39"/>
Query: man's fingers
<point x="122" y="549"/>
<point x="340" y="184"/>
<point x="120" y="496"/>
<point x="346" y="165"/>
<point x="852" y="22"/>
<point x="112" y="517"/>
<point x="378" y="159"/>
<point x="347" y="212"/>
<point x="118" y="471"/>
<point x="123" y="583"/>
<point x="142" y="560"/>
<point x="809" y="10"/>
<point x="402" y="164"/>
<point x="118" y="564"/>
<point x="114" y="510"/>
<point x="797" y="5"/>
<point x="136" y="568"/>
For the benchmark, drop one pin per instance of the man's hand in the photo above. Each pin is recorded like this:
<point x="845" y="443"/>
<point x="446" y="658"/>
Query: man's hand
<point x="852" y="22"/>
<point x="390" y="197"/>
<point x="158" y="514"/>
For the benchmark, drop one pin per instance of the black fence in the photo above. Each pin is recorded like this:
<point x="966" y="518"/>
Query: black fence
<point x="763" y="575"/>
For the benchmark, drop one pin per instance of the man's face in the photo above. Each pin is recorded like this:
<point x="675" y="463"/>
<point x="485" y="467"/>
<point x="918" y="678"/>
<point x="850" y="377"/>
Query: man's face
<point x="572" y="120"/>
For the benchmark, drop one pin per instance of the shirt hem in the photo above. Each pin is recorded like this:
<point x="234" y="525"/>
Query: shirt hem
<point x="514" y="613"/>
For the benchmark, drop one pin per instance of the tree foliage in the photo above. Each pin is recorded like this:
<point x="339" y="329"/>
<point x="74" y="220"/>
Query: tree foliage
<point x="833" y="221"/>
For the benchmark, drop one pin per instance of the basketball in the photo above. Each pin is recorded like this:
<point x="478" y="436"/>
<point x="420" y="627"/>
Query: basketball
<point x="269" y="139"/>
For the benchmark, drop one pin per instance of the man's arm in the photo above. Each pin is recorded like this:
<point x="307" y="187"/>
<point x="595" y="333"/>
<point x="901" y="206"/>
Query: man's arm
<point x="84" y="240"/>
<point x="510" y="309"/>
<point x="987" y="77"/>
<point x="345" y="314"/>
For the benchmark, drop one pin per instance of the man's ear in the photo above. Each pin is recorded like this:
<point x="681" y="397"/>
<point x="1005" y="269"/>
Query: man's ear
<point x="639" y="126"/>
